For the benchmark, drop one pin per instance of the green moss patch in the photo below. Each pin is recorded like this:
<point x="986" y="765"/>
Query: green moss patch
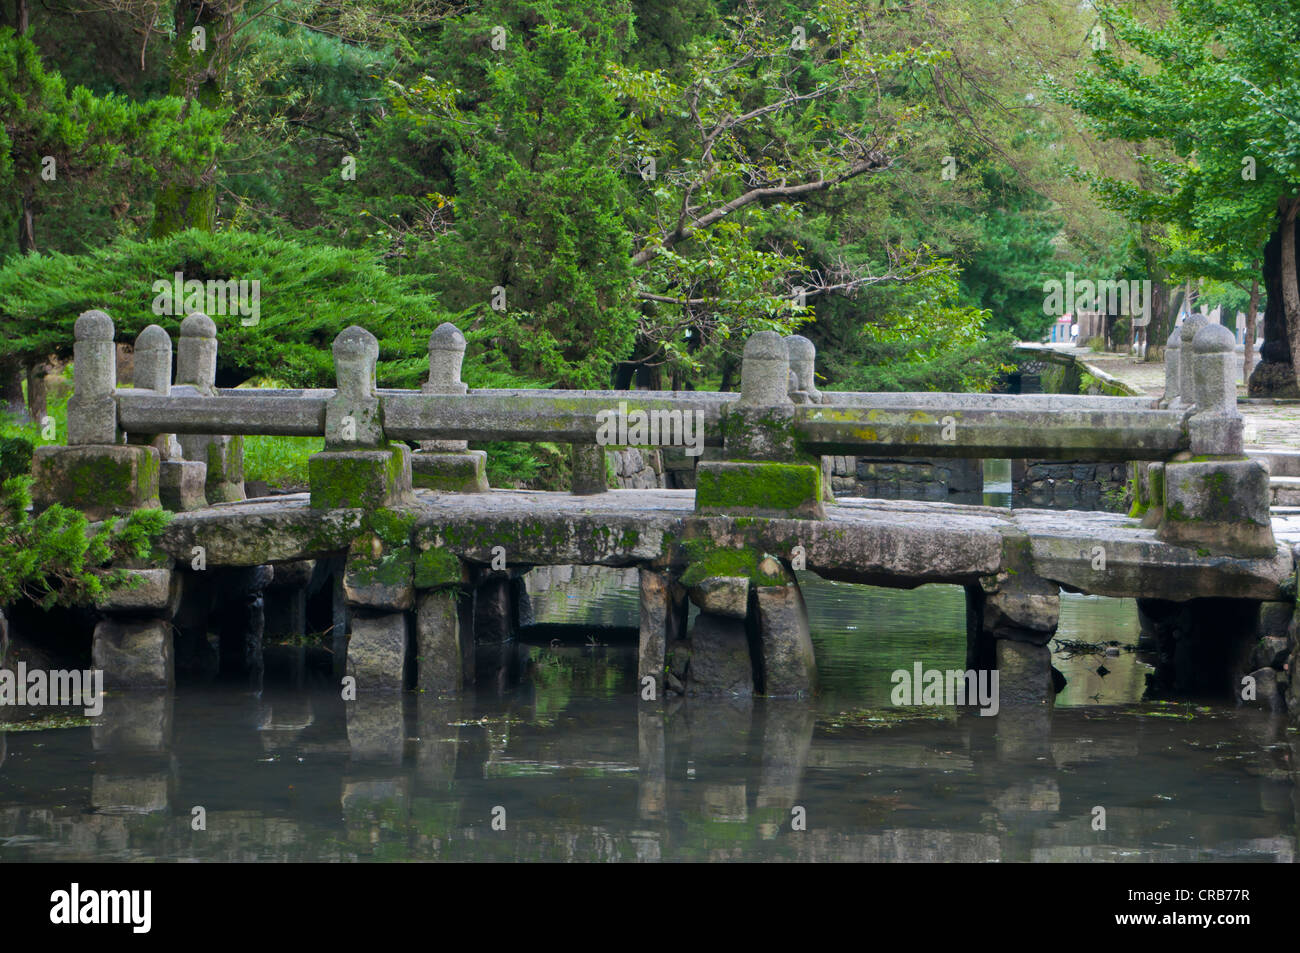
<point x="758" y="489"/>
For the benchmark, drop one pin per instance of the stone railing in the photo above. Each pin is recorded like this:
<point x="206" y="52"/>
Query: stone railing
<point x="123" y="447"/>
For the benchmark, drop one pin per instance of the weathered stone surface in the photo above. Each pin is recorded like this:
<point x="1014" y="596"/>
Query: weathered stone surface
<point x="376" y="728"/>
<point x="1139" y="564"/>
<point x="1024" y="674"/>
<point x="153" y="590"/>
<point x="134" y="653"/>
<point x="92" y="411"/>
<point x="1271" y="651"/>
<point x="224" y="459"/>
<point x="451" y="472"/>
<point x="720" y="661"/>
<point x="722" y="595"/>
<point x="133" y="724"/>
<point x="1267" y="694"/>
<point x="365" y="479"/>
<point x="380" y="575"/>
<point x="661" y="619"/>
<point x="98" y="481"/>
<point x="894" y="543"/>
<point x="270" y="529"/>
<point x="353" y="419"/>
<point x="437" y="638"/>
<point x="588" y="461"/>
<point x="1221" y="506"/>
<point x="112" y="793"/>
<point x="788" y="666"/>
<point x="759" y="489"/>
<point x="1021" y="607"/>
<point x="182" y="484"/>
<point x="377" y="652"/>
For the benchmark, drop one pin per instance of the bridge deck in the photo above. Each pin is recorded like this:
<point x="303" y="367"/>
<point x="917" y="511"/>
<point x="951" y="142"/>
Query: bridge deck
<point x="881" y="542"/>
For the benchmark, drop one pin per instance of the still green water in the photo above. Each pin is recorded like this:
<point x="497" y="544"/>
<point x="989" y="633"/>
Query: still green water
<point x="565" y="762"/>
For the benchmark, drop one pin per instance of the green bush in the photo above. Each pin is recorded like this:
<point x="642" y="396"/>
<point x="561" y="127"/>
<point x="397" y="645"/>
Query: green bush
<point x="54" y="559"/>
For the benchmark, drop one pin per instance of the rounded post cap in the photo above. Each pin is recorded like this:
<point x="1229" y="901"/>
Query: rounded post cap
<point x="153" y="338"/>
<point x="765" y="345"/>
<point x="1175" y="338"/>
<point x="800" y="348"/>
<point x="93" y="326"/>
<point x="447" y="337"/>
<point x="1213" y="338"/>
<point x="356" y="341"/>
<point x="198" y="325"/>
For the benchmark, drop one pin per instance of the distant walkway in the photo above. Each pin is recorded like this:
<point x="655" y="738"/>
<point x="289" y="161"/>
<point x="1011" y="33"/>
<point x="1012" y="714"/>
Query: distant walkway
<point x="1269" y="426"/>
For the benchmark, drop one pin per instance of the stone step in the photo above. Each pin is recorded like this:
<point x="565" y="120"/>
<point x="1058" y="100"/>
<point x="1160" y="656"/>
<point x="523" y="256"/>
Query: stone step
<point x="1281" y="463"/>
<point x="1284" y="491"/>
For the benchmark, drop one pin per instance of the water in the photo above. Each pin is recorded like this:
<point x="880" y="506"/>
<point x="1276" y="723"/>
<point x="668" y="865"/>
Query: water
<point x="574" y="767"/>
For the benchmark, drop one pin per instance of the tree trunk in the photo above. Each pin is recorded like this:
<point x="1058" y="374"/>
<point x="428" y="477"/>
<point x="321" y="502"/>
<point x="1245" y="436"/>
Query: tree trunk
<point x="1290" y="284"/>
<point x="1248" y="348"/>
<point x="11" y="389"/>
<point x="36" y="392"/>
<point x="196" y="76"/>
<point x="1274" y="376"/>
<point x="26" y="223"/>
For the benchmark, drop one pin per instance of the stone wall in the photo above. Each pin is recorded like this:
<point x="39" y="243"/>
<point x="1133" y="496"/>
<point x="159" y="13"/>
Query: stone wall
<point x="944" y="480"/>
<point x="637" y="468"/>
<point x="1056" y="485"/>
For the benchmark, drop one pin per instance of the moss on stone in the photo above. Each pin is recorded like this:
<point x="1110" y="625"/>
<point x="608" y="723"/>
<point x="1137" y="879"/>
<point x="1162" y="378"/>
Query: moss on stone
<point x="706" y="559"/>
<point x="761" y="487"/>
<point x="342" y="481"/>
<point x="437" y="568"/>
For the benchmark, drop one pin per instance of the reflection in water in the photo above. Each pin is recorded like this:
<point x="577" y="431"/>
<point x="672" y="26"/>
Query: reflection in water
<point x="569" y="764"/>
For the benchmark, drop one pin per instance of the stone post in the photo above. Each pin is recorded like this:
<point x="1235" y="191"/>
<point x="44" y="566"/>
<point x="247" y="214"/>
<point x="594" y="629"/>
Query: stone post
<point x="1191" y="326"/>
<point x="1218" y="500"/>
<point x="358" y="467"/>
<point x="1216" y="427"/>
<point x="803" y="390"/>
<point x="180" y="482"/>
<point x="95" y="472"/>
<point x="448" y="464"/>
<point x="764" y="472"/>
<point x="1017" y="615"/>
<point x="196" y="370"/>
<point x="132" y="642"/>
<point x="1172" y="398"/>
<point x="588" y="461"/>
<point x="662" y="616"/>
<point x="92" y="409"/>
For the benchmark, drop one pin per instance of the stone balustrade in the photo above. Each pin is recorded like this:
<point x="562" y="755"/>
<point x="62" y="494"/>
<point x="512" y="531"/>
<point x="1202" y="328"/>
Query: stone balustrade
<point x="772" y="433"/>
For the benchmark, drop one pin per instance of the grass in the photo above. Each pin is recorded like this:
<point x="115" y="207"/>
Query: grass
<point x="279" y="461"/>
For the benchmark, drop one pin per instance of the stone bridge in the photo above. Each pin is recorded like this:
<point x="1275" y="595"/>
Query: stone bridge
<point x="427" y="560"/>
